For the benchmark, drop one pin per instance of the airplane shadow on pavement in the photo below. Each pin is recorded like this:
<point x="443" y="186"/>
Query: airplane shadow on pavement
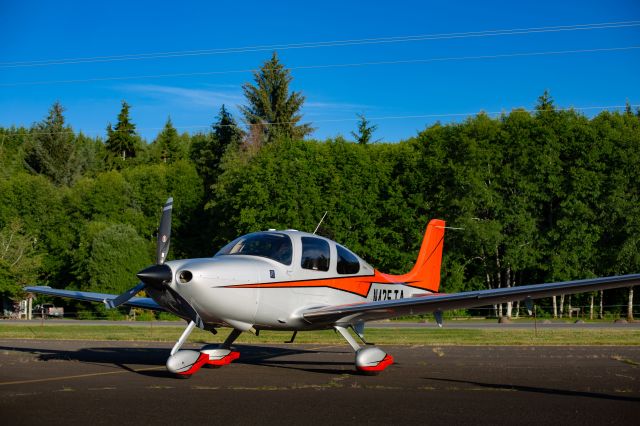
<point x="127" y="357"/>
<point x="534" y="389"/>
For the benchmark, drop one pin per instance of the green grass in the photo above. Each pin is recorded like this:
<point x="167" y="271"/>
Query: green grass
<point x="390" y="336"/>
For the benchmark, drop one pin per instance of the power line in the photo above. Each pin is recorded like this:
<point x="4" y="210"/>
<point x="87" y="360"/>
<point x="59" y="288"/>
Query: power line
<point x="311" y="67"/>
<point x="468" y="114"/>
<point x="319" y="44"/>
<point x="378" y="118"/>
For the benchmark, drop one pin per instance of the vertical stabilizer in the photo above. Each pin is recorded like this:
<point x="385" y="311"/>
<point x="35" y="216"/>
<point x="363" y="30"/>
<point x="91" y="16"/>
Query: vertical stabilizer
<point x="426" y="271"/>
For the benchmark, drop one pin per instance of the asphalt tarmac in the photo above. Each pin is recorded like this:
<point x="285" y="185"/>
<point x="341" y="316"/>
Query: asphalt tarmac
<point x="80" y="382"/>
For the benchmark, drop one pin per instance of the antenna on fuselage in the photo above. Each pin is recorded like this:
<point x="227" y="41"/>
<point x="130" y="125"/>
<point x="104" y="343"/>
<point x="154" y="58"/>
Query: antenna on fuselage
<point x="320" y="223"/>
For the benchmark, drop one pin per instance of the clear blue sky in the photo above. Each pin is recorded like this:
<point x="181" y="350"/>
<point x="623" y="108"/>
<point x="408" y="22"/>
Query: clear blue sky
<point x="44" y="30"/>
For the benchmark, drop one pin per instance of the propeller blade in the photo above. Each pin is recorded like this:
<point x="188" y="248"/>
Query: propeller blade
<point x="156" y="276"/>
<point x="164" y="233"/>
<point x="124" y="297"/>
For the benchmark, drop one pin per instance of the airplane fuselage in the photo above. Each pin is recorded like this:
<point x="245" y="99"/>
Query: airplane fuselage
<point x="257" y="292"/>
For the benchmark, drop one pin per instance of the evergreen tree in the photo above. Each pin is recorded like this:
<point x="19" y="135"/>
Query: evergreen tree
<point x="207" y="150"/>
<point x="545" y="102"/>
<point x="168" y="144"/>
<point x="122" y="141"/>
<point x="271" y="107"/>
<point x="53" y="152"/>
<point x="202" y="154"/>
<point x="365" y="130"/>
<point x="226" y="130"/>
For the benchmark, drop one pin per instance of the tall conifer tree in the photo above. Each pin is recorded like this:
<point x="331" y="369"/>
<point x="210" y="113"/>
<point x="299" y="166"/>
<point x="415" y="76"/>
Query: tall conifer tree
<point x="270" y="105"/>
<point x="53" y="151"/>
<point x="168" y="142"/>
<point x="207" y="150"/>
<point x="122" y="141"/>
<point x="365" y="130"/>
<point x="226" y="130"/>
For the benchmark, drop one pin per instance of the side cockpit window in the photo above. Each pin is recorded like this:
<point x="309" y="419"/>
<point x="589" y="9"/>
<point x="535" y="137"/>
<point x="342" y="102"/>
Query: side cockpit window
<point x="315" y="254"/>
<point x="271" y="245"/>
<point x="347" y="262"/>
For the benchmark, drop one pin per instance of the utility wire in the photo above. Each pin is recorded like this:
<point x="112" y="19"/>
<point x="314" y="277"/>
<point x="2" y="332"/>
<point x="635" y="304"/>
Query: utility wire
<point x="336" y="120"/>
<point x="319" y="44"/>
<point x="311" y="67"/>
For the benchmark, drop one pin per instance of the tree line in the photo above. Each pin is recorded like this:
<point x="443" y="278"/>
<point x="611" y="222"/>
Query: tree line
<point x="532" y="197"/>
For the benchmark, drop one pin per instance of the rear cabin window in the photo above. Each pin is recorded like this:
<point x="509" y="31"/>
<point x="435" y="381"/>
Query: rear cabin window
<point x="315" y="254"/>
<point x="274" y="246"/>
<point x="348" y="263"/>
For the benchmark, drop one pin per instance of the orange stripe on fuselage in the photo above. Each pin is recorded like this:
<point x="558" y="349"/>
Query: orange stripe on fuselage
<point x="359" y="285"/>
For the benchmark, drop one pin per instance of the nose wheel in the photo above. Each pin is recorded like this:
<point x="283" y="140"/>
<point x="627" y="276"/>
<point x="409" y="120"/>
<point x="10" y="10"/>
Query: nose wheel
<point x="184" y="363"/>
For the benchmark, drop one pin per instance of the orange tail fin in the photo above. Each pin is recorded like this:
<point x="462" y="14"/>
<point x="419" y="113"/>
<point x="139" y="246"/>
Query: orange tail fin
<point x="426" y="271"/>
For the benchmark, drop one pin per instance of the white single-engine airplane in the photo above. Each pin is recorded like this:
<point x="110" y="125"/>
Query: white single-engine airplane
<point x="297" y="281"/>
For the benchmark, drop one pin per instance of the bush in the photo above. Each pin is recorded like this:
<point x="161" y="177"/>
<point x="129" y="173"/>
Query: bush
<point x="145" y="315"/>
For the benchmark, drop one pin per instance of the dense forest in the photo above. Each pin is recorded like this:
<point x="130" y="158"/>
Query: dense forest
<point x="533" y="196"/>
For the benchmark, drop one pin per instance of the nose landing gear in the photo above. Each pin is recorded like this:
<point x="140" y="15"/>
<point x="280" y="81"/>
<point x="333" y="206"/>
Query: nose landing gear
<point x="186" y="362"/>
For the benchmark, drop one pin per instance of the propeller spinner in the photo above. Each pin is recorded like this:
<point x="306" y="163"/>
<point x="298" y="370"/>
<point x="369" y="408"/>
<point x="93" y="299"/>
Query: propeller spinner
<point x="156" y="275"/>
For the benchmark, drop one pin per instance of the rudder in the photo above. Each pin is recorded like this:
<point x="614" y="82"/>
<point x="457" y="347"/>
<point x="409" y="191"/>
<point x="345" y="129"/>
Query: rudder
<point x="426" y="271"/>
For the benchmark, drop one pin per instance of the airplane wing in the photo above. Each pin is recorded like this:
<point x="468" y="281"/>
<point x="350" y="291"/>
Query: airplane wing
<point x="440" y="302"/>
<point x="137" y="302"/>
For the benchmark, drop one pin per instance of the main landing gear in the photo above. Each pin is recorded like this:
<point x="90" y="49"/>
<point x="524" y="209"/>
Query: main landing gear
<point x="185" y="363"/>
<point x="369" y="360"/>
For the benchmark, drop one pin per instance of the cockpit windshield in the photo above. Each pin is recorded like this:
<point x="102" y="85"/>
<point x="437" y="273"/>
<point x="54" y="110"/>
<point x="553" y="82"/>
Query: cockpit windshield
<point x="271" y="245"/>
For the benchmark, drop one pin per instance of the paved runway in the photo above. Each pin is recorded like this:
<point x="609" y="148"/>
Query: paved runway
<point x="75" y="382"/>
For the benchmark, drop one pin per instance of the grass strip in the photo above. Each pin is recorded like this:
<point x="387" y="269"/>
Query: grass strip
<point x="388" y="336"/>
